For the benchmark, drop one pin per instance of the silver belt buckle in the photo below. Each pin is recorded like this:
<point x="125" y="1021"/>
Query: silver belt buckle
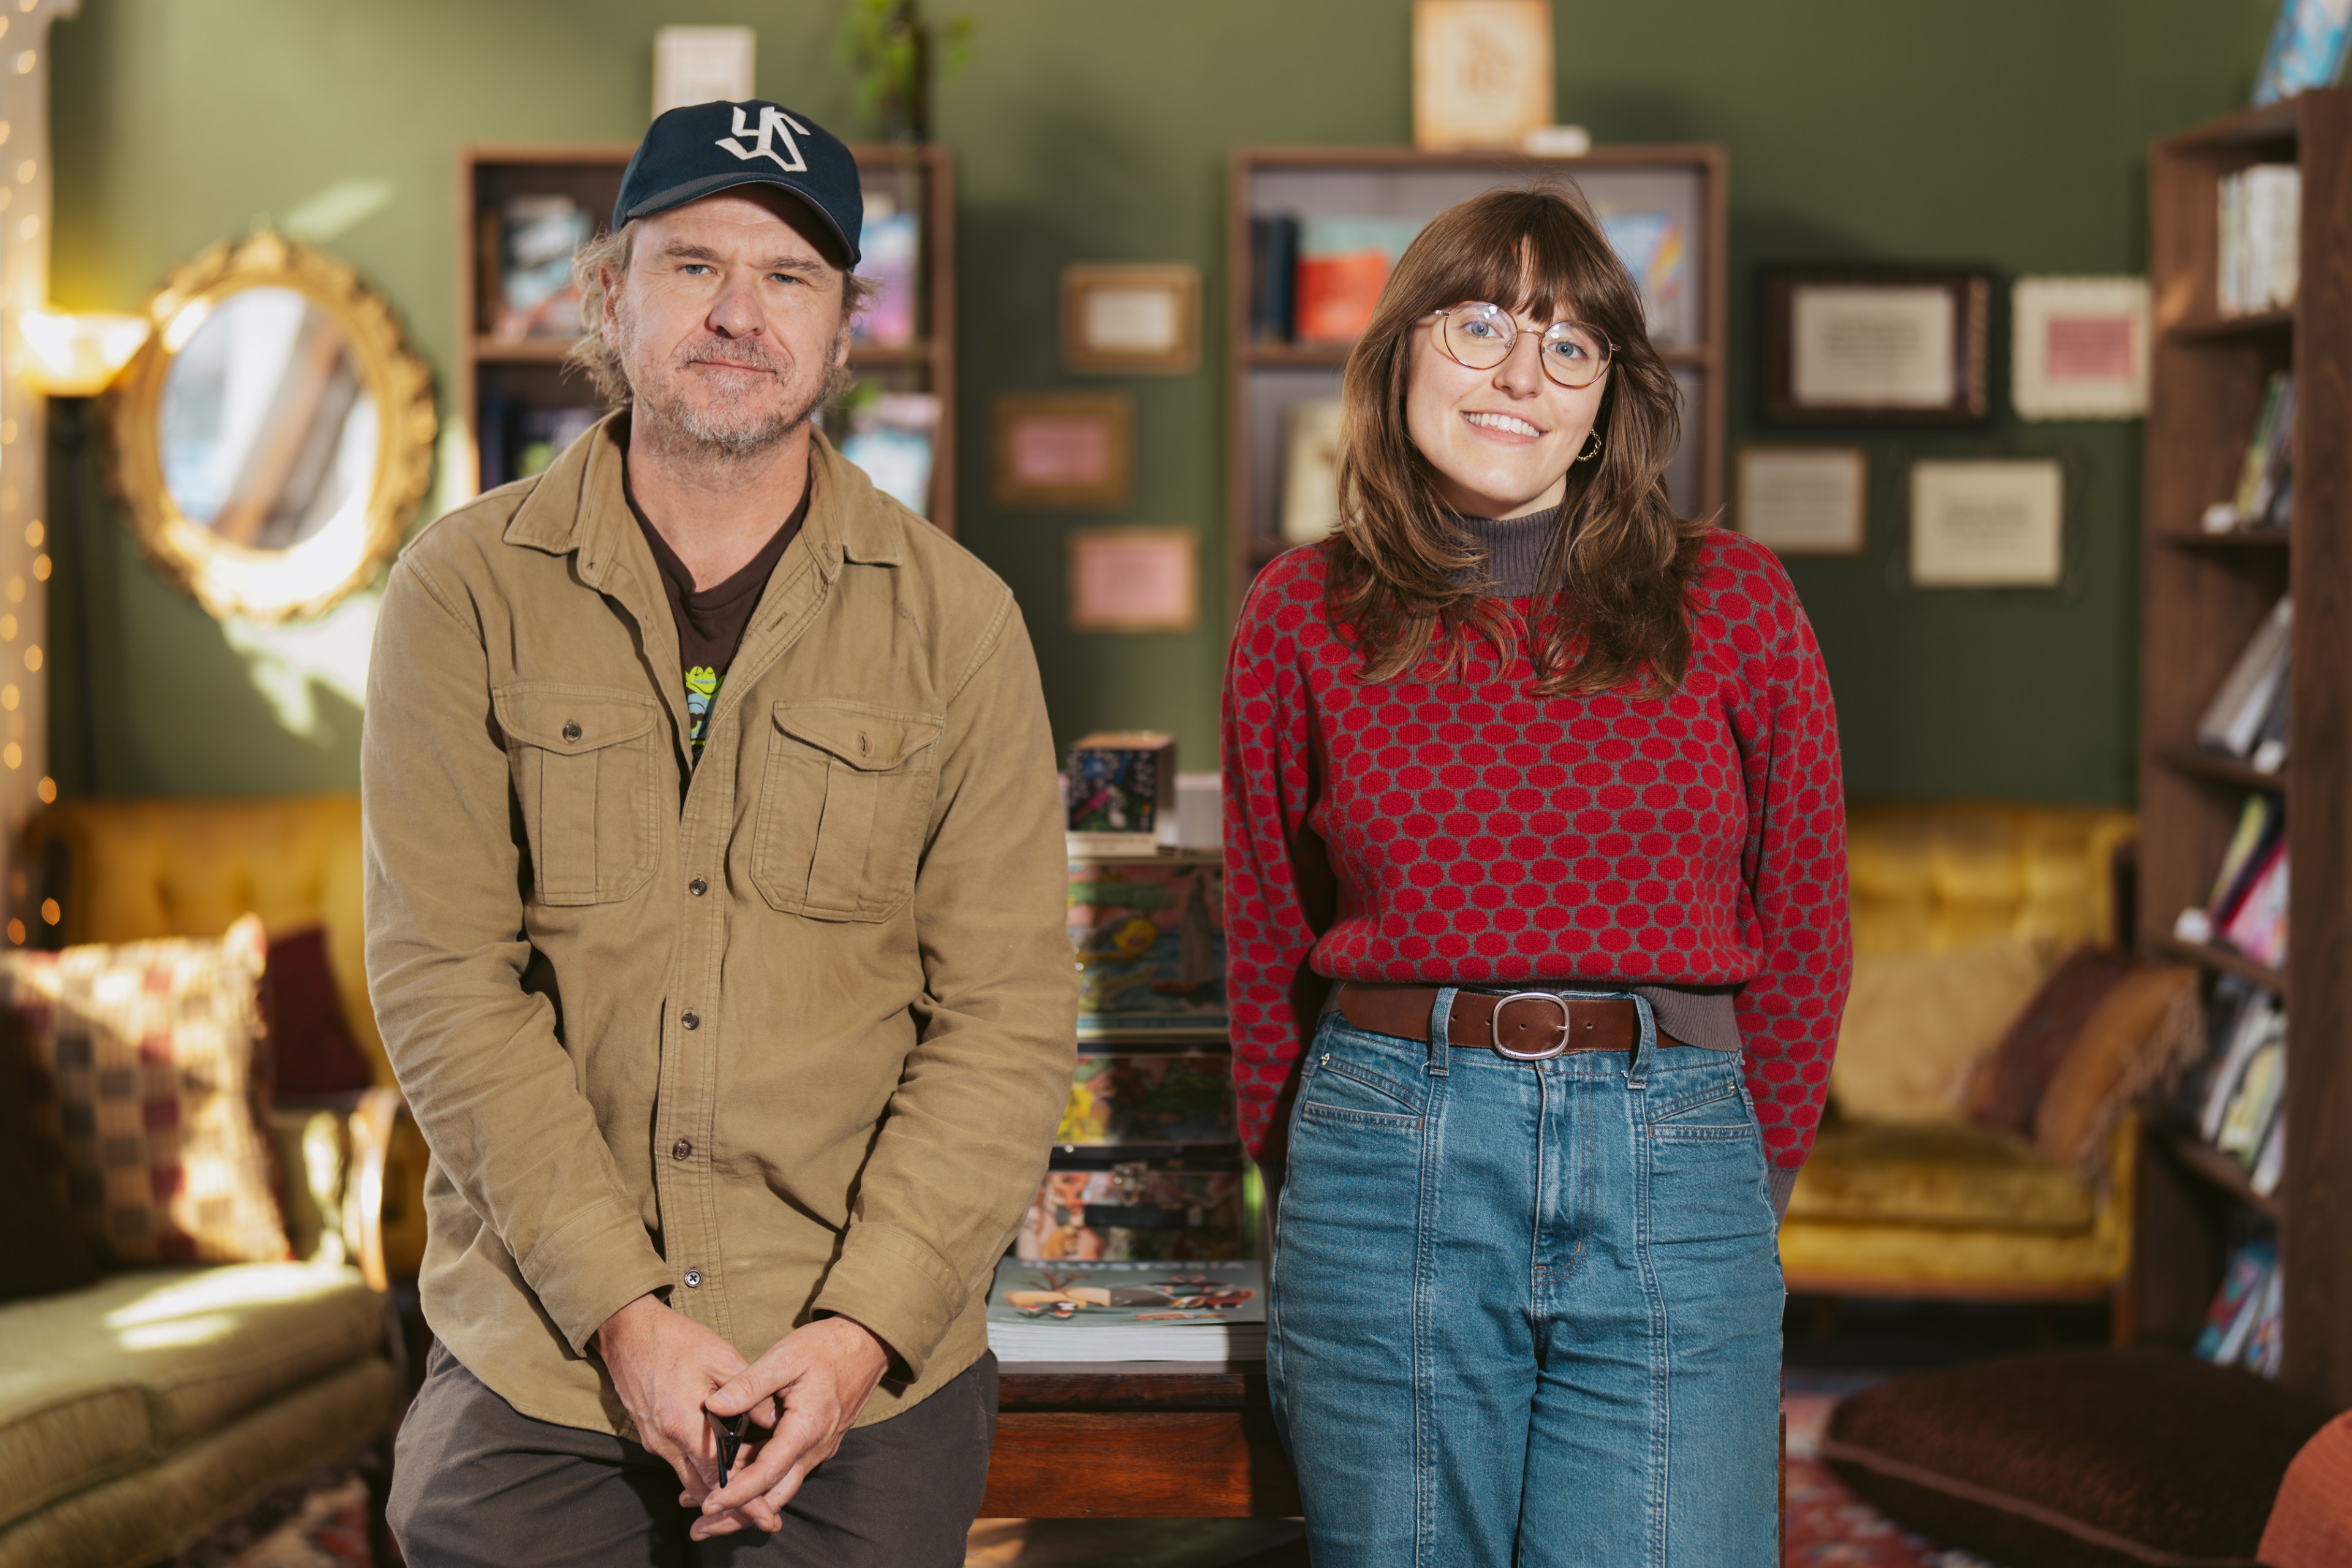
<point x="1494" y="1026"/>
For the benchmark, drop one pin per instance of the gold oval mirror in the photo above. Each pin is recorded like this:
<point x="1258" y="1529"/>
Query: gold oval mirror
<point x="275" y="434"/>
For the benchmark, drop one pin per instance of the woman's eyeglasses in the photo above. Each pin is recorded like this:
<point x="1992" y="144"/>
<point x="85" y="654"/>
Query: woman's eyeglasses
<point x="1478" y="337"/>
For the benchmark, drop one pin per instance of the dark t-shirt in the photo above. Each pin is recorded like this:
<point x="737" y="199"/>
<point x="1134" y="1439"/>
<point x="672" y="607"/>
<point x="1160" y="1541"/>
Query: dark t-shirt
<point x="710" y="622"/>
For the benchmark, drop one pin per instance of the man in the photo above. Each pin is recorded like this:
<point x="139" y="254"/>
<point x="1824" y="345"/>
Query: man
<point x="715" y="925"/>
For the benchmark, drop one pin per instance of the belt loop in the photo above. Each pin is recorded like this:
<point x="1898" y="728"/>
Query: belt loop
<point x="1441" y="1023"/>
<point x="1645" y="1049"/>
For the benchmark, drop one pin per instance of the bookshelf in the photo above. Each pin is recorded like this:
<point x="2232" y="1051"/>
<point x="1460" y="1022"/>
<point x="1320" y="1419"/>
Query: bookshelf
<point x="516" y="376"/>
<point x="2202" y="599"/>
<point x="1269" y="378"/>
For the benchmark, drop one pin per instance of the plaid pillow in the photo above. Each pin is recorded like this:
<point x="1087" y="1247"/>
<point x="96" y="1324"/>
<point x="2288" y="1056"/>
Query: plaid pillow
<point x="149" y="1047"/>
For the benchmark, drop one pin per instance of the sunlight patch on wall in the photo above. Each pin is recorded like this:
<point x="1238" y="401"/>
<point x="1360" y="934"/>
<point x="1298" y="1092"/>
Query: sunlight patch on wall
<point x="342" y="207"/>
<point x="290" y="663"/>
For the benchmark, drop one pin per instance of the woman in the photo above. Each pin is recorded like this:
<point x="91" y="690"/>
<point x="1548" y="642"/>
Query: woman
<point x="1536" y="915"/>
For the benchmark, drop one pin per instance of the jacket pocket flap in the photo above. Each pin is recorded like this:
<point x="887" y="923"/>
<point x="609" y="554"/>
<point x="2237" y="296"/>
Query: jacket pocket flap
<point x="869" y="738"/>
<point x="570" y="720"/>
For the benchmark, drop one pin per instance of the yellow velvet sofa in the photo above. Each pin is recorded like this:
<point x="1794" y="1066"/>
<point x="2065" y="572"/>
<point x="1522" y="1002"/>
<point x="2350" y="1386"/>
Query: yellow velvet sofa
<point x="1955" y="1211"/>
<point x="137" y="1414"/>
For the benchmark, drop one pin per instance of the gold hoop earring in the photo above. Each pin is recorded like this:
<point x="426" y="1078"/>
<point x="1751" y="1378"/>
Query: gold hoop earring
<point x="1593" y="443"/>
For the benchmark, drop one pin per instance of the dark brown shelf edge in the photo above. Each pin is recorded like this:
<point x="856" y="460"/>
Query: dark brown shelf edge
<point x="2248" y="127"/>
<point x="2221" y="958"/>
<point x="2229" y="329"/>
<point x="2252" y="539"/>
<point x="2217" y="1169"/>
<point x="2198" y="764"/>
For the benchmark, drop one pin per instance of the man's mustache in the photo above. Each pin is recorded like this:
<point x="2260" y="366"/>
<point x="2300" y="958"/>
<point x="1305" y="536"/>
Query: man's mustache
<point x="712" y="349"/>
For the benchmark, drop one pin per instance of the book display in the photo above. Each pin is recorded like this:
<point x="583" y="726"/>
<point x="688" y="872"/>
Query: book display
<point x="1128" y="1312"/>
<point x="522" y="211"/>
<point x="1313" y="237"/>
<point x="2246" y="733"/>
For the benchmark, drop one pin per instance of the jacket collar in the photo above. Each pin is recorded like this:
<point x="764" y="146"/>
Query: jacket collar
<point x="581" y="503"/>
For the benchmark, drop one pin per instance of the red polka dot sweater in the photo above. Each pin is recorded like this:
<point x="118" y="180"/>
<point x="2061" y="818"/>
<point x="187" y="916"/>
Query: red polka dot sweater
<point x="1471" y="833"/>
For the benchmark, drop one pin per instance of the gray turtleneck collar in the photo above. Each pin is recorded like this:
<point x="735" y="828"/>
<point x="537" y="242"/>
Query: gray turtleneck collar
<point x="1514" y="549"/>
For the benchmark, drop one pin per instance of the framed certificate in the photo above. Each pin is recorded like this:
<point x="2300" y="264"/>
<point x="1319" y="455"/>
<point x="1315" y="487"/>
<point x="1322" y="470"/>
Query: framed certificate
<point x="1804" y="500"/>
<point x="2078" y="348"/>
<point x="1876" y="346"/>
<point x="1134" y="579"/>
<point x="1063" y="449"/>
<point x="1139" y="319"/>
<point x="1989" y="523"/>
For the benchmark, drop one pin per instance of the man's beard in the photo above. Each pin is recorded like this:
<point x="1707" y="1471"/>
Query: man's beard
<point x="724" y="430"/>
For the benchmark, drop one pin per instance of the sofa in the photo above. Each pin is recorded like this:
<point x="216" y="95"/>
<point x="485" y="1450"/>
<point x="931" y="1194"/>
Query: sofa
<point x="138" y="1413"/>
<point x="1953" y="1211"/>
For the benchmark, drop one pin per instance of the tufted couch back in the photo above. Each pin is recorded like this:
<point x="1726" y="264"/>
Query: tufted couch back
<point x="1933" y="876"/>
<point x="125" y="871"/>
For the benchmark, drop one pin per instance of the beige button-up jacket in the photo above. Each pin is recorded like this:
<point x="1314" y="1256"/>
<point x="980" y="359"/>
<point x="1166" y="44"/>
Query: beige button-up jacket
<point x="782" y="1034"/>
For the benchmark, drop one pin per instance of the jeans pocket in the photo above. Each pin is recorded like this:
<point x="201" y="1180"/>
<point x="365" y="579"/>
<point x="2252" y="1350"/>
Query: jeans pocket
<point x="1707" y="1163"/>
<point x="1341" y="1089"/>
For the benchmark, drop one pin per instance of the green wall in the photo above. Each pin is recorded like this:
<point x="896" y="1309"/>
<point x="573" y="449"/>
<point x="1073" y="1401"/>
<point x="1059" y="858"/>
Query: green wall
<point x="2009" y="133"/>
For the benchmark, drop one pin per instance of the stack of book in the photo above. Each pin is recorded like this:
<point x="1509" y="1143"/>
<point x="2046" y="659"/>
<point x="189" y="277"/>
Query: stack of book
<point x="2264" y="498"/>
<point x="519" y="439"/>
<point x="2261" y="227"/>
<point x="891" y="435"/>
<point x="2242" y="1326"/>
<point x="528" y="243"/>
<point x="2246" y="910"/>
<point x="2247" y="717"/>
<point x="1128" y="1312"/>
<point x="2240" y="1100"/>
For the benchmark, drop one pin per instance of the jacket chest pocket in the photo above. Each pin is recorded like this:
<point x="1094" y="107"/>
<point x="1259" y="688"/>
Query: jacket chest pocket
<point x="844" y="807"/>
<point x="583" y="760"/>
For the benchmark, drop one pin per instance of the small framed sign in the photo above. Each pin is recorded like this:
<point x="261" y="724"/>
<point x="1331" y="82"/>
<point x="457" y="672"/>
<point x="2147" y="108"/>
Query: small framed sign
<point x="1482" y="72"/>
<point x="1804" y="501"/>
<point x="1138" y="319"/>
<point x="1134" y="579"/>
<point x="1880" y="345"/>
<point x="1989" y="523"/>
<point x="2078" y="348"/>
<point x="1064" y="449"/>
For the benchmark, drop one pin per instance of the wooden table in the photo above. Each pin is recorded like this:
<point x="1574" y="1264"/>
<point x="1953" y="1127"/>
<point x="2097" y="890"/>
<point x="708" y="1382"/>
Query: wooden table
<point x="1137" y="1439"/>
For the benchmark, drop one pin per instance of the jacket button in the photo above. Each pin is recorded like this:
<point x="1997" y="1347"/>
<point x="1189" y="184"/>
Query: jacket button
<point x="691" y="1021"/>
<point x="697" y="887"/>
<point x="694" y="1279"/>
<point x="571" y="731"/>
<point x="680" y="1149"/>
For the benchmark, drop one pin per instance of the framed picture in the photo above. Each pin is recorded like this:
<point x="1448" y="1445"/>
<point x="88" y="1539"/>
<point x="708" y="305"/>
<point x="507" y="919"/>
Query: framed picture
<point x="1804" y="501"/>
<point x="1481" y="72"/>
<point x="1877" y="345"/>
<point x="2078" y="348"/>
<point x="1134" y="579"/>
<point x="1064" y="449"/>
<point x="1987" y="523"/>
<point x="1138" y="319"/>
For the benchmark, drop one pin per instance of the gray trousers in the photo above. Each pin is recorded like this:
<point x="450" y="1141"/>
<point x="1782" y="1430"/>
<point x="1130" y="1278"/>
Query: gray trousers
<point x="478" y="1484"/>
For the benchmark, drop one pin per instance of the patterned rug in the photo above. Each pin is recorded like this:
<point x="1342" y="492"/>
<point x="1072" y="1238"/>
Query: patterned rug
<point x="322" y="1522"/>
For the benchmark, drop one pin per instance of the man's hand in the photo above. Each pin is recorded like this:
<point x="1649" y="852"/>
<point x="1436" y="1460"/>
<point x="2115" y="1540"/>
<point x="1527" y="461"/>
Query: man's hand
<point x="821" y="1374"/>
<point x="664" y="1366"/>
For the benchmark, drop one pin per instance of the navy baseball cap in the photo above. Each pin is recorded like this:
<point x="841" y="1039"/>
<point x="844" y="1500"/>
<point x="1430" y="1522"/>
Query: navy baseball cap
<point x="691" y="152"/>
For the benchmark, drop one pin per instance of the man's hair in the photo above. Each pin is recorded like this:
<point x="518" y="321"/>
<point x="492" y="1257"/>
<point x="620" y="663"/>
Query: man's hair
<point x="597" y="353"/>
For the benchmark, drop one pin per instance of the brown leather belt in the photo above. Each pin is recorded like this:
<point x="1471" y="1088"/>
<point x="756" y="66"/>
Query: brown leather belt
<point x="1528" y="1026"/>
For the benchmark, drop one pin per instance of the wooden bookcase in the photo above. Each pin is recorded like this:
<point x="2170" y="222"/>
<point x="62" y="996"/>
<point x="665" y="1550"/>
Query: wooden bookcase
<point x="2202" y="598"/>
<point x="529" y="372"/>
<point x="1267" y="379"/>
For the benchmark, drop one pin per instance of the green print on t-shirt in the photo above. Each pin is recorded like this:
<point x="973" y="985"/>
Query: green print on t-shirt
<point x="701" y="691"/>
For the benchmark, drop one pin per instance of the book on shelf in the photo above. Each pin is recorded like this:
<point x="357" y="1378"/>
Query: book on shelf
<point x="1343" y="264"/>
<point x="1149" y="1097"/>
<point x="1150" y="938"/>
<point x="2265" y="499"/>
<point x="534" y="297"/>
<point x="2243" y="1019"/>
<point x="892" y="436"/>
<point x="2240" y="720"/>
<point x="516" y="440"/>
<point x="1274" y="262"/>
<point x="2305" y="48"/>
<point x="890" y="247"/>
<point x="2256" y="926"/>
<point x="1209" y="1310"/>
<point x="1310" y="470"/>
<point x="1650" y="243"/>
<point x="2240" y="1326"/>
<point x="2261" y="227"/>
<point x="1180" y="1208"/>
<point x="2261" y="829"/>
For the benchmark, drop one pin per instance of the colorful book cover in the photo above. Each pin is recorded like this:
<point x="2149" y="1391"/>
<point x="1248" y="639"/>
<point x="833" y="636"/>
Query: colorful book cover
<point x="1150" y="943"/>
<point x="2229" y="1320"/>
<point x="2257" y="927"/>
<point x="1343" y="264"/>
<point x="1651" y="246"/>
<point x="2305" y="48"/>
<point x="890" y="248"/>
<point x="536" y="297"/>
<point x="1138" y="1210"/>
<point x="1114" y="1294"/>
<point x="1157" y="1099"/>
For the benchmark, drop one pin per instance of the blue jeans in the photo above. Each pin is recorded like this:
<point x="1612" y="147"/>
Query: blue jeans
<point x="1527" y="1313"/>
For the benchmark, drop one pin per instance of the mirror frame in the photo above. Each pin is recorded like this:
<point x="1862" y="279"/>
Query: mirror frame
<point x="307" y="577"/>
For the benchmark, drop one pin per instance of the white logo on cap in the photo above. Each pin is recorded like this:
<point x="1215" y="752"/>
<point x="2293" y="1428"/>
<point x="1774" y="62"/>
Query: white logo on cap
<point x="774" y="124"/>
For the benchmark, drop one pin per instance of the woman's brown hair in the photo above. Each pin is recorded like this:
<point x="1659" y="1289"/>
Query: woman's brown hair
<point x="1404" y="582"/>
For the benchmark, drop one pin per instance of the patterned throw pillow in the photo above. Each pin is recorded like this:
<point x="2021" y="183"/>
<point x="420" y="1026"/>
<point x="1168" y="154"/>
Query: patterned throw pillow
<point x="150" y="1050"/>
